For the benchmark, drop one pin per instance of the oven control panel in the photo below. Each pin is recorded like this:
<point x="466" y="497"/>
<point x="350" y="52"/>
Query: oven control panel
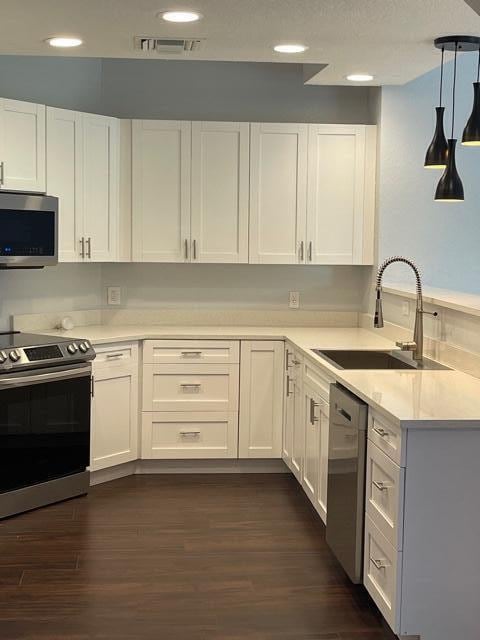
<point x="49" y="352"/>
<point x="25" y="357"/>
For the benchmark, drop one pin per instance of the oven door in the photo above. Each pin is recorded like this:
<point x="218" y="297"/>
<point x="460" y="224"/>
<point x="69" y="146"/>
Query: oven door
<point x="44" y="425"/>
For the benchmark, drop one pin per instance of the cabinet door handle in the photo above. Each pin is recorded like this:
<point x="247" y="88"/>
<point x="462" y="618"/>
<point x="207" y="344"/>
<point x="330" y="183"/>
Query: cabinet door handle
<point x="313" y="406"/>
<point x="194" y="249"/>
<point x="381" y="486"/>
<point x="381" y="432"/>
<point x="82" y="247"/>
<point x="380" y="564"/>
<point x="289" y="393"/>
<point x="186" y="249"/>
<point x="301" y="251"/>
<point x="287" y="363"/>
<point x="310" y="251"/>
<point x="2" y="173"/>
<point x="89" y="247"/>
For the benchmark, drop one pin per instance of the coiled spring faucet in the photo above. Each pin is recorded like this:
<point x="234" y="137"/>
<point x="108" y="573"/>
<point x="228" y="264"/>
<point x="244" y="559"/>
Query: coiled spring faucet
<point x="415" y="346"/>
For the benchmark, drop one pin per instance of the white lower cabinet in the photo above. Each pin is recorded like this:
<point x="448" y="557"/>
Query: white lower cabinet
<point x="261" y="399"/>
<point x="114" y="430"/>
<point x="202" y="434"/>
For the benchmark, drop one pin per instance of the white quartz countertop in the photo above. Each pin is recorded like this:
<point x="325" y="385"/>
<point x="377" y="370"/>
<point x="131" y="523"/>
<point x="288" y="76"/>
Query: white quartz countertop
<point x="434" y="399"/>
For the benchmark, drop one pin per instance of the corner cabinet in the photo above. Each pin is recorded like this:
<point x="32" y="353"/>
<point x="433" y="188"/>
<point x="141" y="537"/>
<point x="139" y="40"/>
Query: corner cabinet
<point x="83" y="152"/>
<point x="261" y="399"/>
<point x="114" y="436"/>
<point x="312" y="193"/>
<point x="22" y="146"/>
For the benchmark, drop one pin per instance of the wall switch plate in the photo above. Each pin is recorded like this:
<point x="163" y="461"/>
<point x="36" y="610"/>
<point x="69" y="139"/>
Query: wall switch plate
<point x="405" y="308"/>
<point x="294" y="301"/>
<point x="113" y="295"/>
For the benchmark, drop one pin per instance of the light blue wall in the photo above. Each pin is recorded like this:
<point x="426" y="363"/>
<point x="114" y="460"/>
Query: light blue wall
<point x="444" y="239"/>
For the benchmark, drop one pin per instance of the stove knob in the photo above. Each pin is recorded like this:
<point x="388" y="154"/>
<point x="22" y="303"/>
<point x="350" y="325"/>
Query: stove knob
<point x="3" y="357"/>
<point x="72" y="349"/>
<point x="14" y="356"/>
<point x="84" y="347"/>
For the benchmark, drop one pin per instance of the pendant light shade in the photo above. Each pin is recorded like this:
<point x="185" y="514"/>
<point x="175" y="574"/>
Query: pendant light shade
<point x="450" y="187"/>
<point x="436" y="156"/>
<point x="471" y="133"/>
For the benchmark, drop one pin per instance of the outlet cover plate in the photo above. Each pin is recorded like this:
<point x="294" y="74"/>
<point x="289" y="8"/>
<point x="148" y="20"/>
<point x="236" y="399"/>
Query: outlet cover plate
<point x="113" y="295"/>
<point x="294" y="300"/>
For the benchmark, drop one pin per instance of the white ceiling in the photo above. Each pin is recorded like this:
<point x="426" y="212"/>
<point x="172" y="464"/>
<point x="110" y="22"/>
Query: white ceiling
<point x="391" y="39"/>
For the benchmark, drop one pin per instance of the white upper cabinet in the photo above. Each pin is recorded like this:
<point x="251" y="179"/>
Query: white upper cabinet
<point x="22" y="146"/>
<point x="340" y="205"/>
<point x="64" y="178"/>
<point x="161" y="190"/>
<point x="278" y="186"/>
<point x="220" y="179"/>
<point x="101" y="157"/>
<point x="83" y="153"/>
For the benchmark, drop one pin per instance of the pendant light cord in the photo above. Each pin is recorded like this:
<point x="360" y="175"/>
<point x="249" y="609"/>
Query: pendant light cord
<point x="454" y="87"/>
<point x="441" y="74"/>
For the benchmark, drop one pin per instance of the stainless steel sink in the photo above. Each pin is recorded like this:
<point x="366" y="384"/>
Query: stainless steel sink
<point x="347" y="359"/>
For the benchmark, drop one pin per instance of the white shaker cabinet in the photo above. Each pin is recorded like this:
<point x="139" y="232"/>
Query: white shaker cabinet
<point x="220" y="200"/>
<point x="278" y="191"/>
<point x="161" y="165"/>
<point x="340" y="204"/>
<point x="22" y="146"/>
<point x="83" y="152"/>
<point x="114" y="435"/>
<point x="261" y="399"/>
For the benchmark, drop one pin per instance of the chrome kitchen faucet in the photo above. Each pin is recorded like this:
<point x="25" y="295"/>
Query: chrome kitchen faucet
<point x="415" y="346"/>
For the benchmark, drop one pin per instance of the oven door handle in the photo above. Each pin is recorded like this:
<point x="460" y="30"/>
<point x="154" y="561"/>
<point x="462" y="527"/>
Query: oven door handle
<point x="19" y="380"/>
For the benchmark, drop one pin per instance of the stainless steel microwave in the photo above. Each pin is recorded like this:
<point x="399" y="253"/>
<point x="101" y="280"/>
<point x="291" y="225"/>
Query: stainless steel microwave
<point x="28" y="230"/>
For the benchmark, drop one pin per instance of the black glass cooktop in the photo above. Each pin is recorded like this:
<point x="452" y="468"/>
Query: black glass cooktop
<point x="14" y="340"/>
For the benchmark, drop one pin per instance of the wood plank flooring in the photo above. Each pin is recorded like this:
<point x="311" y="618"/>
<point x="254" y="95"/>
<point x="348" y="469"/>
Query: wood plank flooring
<point x="179" y="557"/>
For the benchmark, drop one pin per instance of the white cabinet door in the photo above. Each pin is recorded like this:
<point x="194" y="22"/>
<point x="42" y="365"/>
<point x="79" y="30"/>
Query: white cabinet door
<point x="22" y="145"/>
<point x="278" y="186"/>
<point x="64" y="178"/>
<point x="100" y="194"/>
<point x="161" y="165"/>
<point x="340" y="207"/>
<point x="114" y="415"/>
<point x="220" y="181"/>
<point x="288" y="419"/>
<point x="261" y="399"/>
<point x="298" y="440"/>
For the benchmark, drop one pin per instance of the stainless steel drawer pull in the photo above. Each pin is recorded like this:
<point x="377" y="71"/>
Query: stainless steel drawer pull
<point x="190" y="385"/>
<point x="310" y="251"/>
<point x="89" y="247"/>
<point x="191" y="354"/>
<point x="380" y="564"/>
<point x="82" y="247"/>
<point x="343" y="413"/>
<point x="2" y="174"/>
<point x="381" y="486"/>
<point x="289" y="393"/>
<point x="194" y="250"/>
<point x="287" y="363"/>
<point x="313" y="406"/>
<point x="114" y="356"/>
<point x="301" y="252"/>
<point x="190" y="434"/>
<point x="381" y="432"/>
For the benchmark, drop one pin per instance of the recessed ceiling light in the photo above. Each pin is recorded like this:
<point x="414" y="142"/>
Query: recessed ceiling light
<point x="360" y="77"/>
<point x="64" y="41"/>
<point x="180" y="16"/>
<point x="290" y="48"/>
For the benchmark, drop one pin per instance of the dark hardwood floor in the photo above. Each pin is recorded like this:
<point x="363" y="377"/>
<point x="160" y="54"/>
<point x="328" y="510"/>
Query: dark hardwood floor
<point x="197" y="557"/>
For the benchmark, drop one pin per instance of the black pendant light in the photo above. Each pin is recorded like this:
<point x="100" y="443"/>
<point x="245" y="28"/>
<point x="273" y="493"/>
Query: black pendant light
<point x="436" y="156"/>
<point x="471" y="133"/>
<point x="450" y="187"/>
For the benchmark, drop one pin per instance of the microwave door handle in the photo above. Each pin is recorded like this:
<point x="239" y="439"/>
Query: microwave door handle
<point x="12" y="381"/>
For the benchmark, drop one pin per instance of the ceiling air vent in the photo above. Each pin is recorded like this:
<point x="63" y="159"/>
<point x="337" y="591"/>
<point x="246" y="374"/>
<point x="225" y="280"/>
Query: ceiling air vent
<point x="166" y="45"/>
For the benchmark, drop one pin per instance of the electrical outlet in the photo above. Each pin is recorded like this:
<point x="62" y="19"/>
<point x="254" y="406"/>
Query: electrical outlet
<point x="113" y="295"/>
<point x="405" y="308"/>
<point x="294" y="301"/>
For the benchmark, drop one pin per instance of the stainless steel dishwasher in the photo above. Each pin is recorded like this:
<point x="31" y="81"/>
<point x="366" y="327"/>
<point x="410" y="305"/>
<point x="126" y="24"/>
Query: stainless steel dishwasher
<point x="346" y="479"/>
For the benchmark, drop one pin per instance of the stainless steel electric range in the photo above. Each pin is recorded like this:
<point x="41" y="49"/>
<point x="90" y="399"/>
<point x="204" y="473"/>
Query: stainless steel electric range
<point x="45" y="395"/>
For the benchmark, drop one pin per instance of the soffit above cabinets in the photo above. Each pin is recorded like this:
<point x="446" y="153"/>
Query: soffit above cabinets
<point x="390" y="39"/>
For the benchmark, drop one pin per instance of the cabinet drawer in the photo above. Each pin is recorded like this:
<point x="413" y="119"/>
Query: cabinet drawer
<point x="385" y="489"/>
<point x="194" y="351"/>
<point x="181" y="387"/>
<point x="316" y="378"/>
<point x="174" y="435"/>
<point x="121" y="354"/>
<point x="388" y="437"/>
<point x="381" y="573"/>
